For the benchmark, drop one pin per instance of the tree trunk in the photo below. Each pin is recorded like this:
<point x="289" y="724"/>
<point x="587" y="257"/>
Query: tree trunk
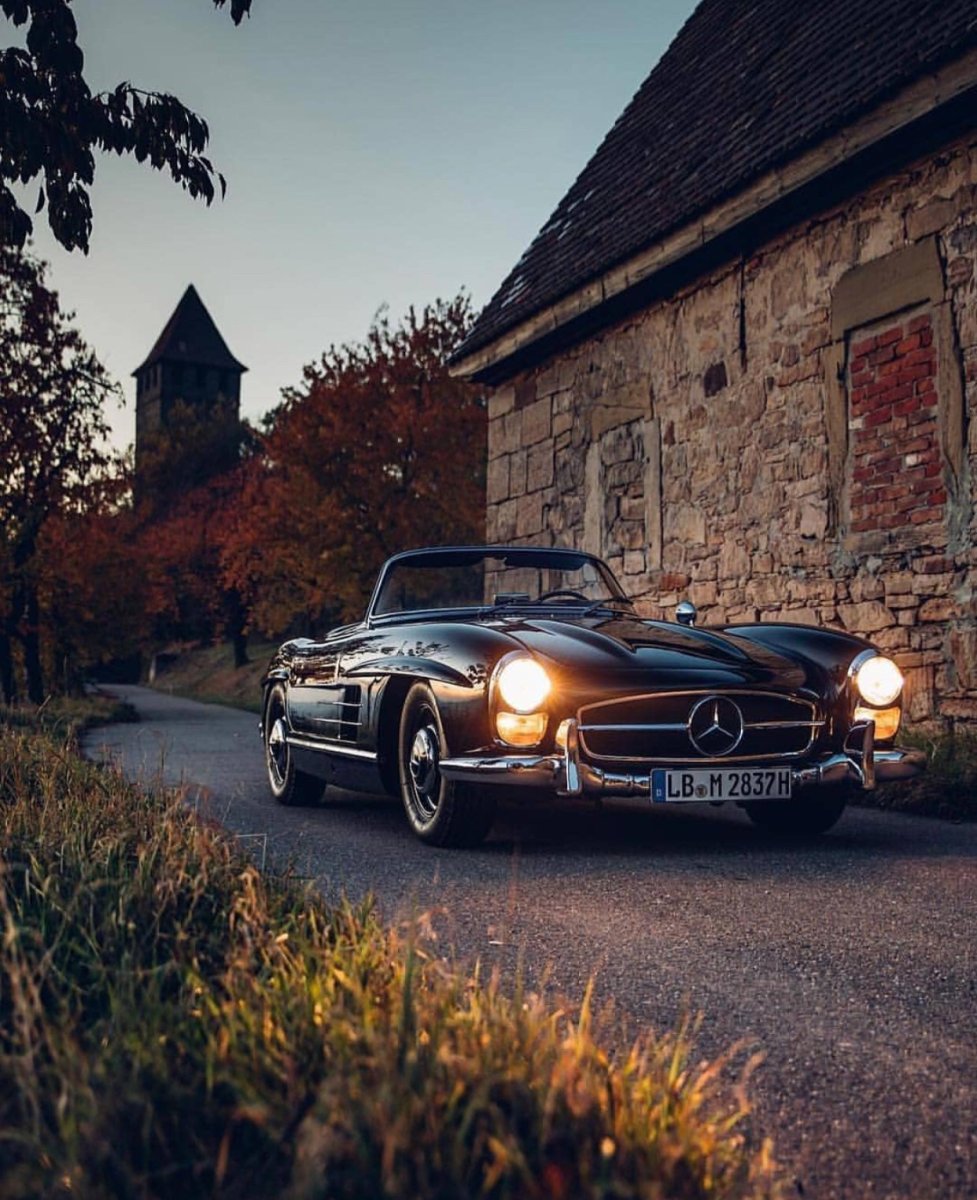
<point x="234" y="621"/>
<point x="241" y="650"/>
<point x="8" y="682"/>
<point x="31" y="640"/>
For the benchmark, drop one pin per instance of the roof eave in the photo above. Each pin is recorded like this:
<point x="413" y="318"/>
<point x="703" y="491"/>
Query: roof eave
<point x="160" y="358"/>
<point x="878" y="141"/>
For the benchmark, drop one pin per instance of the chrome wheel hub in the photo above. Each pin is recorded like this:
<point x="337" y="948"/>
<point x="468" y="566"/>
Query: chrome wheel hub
<point x="424" y="761"/>
<point x="277" y="752"/>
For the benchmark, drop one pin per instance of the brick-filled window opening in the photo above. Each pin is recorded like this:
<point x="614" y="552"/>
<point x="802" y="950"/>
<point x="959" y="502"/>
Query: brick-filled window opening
<point x="897" y="475"/>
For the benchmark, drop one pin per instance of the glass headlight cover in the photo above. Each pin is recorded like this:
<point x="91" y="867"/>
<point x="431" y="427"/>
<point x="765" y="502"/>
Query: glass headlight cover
<point x="879" y="681"/>
<point x="523" y="685"/>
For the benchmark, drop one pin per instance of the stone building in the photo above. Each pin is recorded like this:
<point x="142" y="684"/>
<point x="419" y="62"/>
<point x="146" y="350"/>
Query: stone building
<point x="740" y="359"/>
<point x="189" y="364"/>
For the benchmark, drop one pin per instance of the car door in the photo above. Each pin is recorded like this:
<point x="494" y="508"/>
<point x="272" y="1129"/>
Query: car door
<point x="319" y="706"/>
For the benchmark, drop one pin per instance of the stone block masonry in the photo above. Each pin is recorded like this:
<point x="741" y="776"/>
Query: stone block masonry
<point x="790" y="437"/>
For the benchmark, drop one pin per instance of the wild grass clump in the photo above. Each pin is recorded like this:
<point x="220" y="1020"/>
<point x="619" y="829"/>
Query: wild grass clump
<point x="66" y="717"/>
<point x="173" y="1023"/>
<point x="948" y="786"/>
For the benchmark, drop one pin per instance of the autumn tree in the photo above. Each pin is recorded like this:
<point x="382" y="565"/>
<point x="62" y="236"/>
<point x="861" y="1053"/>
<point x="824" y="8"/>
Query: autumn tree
<point x="91" y="583"/>
<point x="52" y="125"/>
<point x="52" y="446"/>
<point x="187" y="596"/>
<point x="378" y="450"/>
<point x="194" y="445"/>
<point x="188" y="475"/>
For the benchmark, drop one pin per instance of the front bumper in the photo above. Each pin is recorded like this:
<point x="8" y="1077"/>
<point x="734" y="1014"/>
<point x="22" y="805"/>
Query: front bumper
<point x="568" y="775"/>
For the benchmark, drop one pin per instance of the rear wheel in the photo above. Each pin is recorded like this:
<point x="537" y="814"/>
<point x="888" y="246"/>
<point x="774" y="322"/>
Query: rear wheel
<point x="440" y="811"/>
<point x="806" y="815"/>
<point x="288" y="785"/>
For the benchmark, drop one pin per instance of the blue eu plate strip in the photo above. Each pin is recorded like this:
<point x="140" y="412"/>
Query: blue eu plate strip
<point x="658" y="788"/>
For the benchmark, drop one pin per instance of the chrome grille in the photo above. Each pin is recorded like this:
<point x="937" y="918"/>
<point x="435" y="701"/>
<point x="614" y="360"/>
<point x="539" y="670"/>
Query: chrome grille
<point x="655" y="728"/>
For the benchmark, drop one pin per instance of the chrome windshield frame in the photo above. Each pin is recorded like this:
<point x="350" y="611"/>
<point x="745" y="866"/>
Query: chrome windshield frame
<point x="530" y="554"/>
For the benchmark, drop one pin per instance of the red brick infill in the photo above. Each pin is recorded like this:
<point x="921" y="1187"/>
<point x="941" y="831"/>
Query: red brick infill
<point x="897" y="474"/>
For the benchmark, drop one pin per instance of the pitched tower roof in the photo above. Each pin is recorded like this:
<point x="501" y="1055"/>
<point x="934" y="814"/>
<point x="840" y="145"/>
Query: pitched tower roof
<point x="190" y="336"/>
<point x="746" y="86"/>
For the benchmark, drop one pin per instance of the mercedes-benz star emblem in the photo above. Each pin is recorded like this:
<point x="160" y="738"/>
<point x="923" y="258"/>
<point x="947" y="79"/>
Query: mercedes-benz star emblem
<point x="715" y="726"/>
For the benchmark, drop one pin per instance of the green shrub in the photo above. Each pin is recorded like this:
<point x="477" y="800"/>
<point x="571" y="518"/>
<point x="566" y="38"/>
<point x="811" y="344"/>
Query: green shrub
<point x="173" y="1023"/>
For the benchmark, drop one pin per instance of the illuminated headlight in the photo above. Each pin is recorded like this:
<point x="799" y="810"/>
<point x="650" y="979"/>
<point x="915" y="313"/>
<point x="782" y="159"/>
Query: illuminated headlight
<point x="879" y="681"/>
<point x="523" y="685"/>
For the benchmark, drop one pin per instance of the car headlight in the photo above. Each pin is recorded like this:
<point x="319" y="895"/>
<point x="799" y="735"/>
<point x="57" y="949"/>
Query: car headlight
<point x="523" y="685"/>
<point x="879" y="681"/>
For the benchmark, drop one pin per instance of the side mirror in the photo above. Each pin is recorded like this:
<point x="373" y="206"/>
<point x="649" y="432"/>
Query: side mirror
<point x="685" y="613"/>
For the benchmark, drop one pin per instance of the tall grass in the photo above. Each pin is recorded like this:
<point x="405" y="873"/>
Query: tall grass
<point x="173" y="1023"/>
<point x="948" y="786"/>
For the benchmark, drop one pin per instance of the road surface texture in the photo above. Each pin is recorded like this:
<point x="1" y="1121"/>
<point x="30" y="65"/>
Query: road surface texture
<point x="850" y="962"/>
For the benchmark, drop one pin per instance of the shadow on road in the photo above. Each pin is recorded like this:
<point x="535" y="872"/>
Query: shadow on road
<point x="577" y="832"/>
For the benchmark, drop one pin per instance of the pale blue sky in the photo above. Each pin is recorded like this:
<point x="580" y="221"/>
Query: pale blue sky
<point x="376" y="151"/>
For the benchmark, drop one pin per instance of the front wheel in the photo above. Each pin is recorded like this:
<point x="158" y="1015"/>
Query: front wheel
<point x="440" y="811"/>
<point x="804" y="816"/>
<point x="288" y="785"/>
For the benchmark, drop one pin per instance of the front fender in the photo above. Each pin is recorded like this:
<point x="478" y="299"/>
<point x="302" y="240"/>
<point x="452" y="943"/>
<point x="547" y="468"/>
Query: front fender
<point x="828" y="651"/>
<point x="412" y="666"/>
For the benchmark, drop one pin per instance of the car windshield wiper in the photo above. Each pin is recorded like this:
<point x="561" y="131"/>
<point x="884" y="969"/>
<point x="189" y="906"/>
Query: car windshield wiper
<point x="622" y="605"/>
<point x="509" y="599"/>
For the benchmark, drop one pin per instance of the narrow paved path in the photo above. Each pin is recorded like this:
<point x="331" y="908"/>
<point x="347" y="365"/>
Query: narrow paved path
<point x="852" y="962"/>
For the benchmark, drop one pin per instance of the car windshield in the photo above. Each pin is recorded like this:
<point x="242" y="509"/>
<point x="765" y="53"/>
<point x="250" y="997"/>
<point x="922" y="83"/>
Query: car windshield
<point x="496" y="578"/>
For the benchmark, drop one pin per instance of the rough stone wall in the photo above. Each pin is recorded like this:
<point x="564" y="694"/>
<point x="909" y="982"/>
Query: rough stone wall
<point x="787" y="438"/>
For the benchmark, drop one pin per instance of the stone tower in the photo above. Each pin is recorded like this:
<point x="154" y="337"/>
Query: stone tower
<point x="190" y="363"/>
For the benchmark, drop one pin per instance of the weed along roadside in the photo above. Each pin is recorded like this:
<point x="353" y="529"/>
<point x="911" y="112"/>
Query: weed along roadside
<point x="175" y="1023"/>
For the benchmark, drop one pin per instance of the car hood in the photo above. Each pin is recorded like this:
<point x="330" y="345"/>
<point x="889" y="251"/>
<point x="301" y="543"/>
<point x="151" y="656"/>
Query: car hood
<point x="663" y="653"/>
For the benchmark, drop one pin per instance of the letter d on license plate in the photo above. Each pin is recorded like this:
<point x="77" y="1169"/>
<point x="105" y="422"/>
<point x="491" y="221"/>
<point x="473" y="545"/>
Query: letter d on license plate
<point x="678" y="787"/>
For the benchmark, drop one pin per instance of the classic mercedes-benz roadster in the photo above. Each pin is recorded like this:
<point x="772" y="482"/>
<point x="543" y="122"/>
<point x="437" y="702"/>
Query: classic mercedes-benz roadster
<point x="478" y="670"/>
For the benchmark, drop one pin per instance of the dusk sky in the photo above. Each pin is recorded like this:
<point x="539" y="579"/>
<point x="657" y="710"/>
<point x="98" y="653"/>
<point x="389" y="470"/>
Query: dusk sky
<point x="376" y="151"/>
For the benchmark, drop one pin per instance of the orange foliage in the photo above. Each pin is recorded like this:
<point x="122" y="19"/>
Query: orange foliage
<point x="52" y="450"/>
<point x="379" y="450"/>
<point x="91" y="584"/>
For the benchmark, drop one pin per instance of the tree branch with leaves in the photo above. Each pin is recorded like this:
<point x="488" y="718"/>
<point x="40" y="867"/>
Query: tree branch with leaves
<point x="52" y="126"/>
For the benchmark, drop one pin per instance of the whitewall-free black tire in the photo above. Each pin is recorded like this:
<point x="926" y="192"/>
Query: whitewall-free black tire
<point x="804" y="816"/>
<point x="440" y="811"/>
<point x="289" y="786"/>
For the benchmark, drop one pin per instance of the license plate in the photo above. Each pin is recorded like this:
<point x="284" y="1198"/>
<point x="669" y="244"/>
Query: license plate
<point x="688" y="787"/>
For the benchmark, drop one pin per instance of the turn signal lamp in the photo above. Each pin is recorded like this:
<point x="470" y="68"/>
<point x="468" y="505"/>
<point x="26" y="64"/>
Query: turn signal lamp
<point x="521" y="729"/>
<point x="886" y="720"/>
<point x="879" y="681"/>
<point x="562" y="735"/>
<point x="523" y="685"/>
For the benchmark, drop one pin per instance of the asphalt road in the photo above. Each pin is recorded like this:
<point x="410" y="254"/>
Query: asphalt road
<point x="851" y="963"/>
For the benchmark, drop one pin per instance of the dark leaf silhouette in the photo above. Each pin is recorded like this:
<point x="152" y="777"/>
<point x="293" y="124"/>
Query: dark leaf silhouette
<point x="51" y="125"/>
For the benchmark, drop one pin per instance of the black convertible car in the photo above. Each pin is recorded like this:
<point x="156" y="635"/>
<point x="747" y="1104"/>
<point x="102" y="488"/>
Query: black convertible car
<point x="477" y="669"/>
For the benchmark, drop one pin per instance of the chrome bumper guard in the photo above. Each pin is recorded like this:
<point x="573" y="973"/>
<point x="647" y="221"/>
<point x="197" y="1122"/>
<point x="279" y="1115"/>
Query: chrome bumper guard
<point x="860" y="763"/>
